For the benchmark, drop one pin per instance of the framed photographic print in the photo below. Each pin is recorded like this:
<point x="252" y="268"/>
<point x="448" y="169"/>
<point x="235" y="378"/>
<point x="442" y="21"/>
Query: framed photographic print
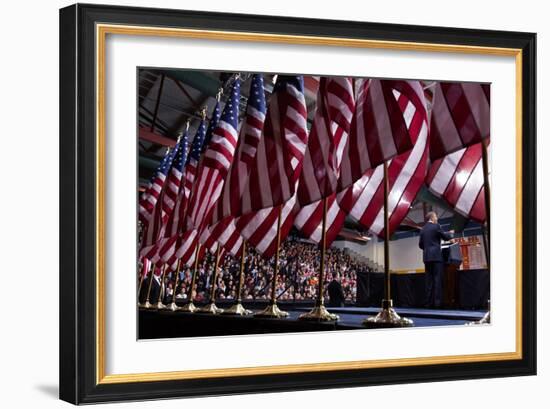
<point x="258" y="203"/>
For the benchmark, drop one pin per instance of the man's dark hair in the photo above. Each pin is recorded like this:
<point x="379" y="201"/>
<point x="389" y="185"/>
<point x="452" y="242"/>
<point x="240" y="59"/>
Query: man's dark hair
<point x="430" y="215"/>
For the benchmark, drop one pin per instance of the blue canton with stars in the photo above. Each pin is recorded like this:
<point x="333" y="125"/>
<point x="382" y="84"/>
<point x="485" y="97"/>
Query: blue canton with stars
<point x="213" y="124"/>
<point x="231" y="110"/>
<point x="181" y="153"/>
<point x="166" y="162"/>
<point x="198" y="142"/>
<point x="295" y="80"/>
<point x="256" y="98"/>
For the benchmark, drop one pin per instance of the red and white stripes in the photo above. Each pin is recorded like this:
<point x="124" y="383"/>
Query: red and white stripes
<point x="327" y="139"/>
<point x="277" y="164"/>
<point x="223" y="233"/>
<point x="215" y="163"/>
<point x="309" y="220"/>
<point x="364" y="200"/>
<point x="458" y="179"/>
<point x="378" y="131"/>
<point x="229" y="203"/>
<point x="460" y="117"/>
<point x="260" y="228"/>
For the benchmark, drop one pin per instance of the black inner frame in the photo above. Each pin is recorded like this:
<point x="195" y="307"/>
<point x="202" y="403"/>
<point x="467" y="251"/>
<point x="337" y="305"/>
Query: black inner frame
<point x="78" y="198"/>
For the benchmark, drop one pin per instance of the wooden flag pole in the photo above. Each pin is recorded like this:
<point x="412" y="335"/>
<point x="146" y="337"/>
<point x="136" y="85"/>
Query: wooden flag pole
<point x="173" y="306"/>
<point x="147" y="303"/>
<point x="141" y="279"/>
<point x="190" y="306"/>
<point x="159" y="304"/>
<point x="272" y="310"/>
<point x="387" y="317"/>
<point x="211" y="307"/>
<point x="319" y="312"/>
<point x="486" y="188"/>
<point x="237" y="308"/>
<point x="487" y="233"/>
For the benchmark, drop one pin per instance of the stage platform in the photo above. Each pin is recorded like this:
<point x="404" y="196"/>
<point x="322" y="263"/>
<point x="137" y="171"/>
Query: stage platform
<point x="154" y="324"/>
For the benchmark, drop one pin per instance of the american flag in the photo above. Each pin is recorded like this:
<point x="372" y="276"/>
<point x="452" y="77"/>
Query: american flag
<point x="186" y="241"/>
<point x="184" y="245"/>
<point x="378" y="130"/>
<point x="278" y="162"/>
<point x="251" y="130"/>
<point x="150" y="196"/>
<point x="309" y="220"/>
<point x="216" y="115"/>
<point x="184" y="249"/>
<point x="154" y="228"/>
<point x="175" y="177"/>
<point x="223" y="228"/>
<point x="458" y="179"/>
<point x="311" y="86"/>
<point x="223" y="233"/>
<point x="215" y="162"/>
<point x="202" y="138"/>
<point x="364" y="200"/>
<point x="327" y="139"/>
<point x="460" y="117"/>
<point x="145" y="266"/>
<point x="176" y="223"/>
<point x="260" y="228"/>
<point x="171" y="200"/>
<point x="176" y="241"/>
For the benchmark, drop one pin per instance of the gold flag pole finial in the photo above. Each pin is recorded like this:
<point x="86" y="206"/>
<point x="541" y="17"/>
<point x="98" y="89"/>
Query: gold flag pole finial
<point x="183" y="132"/>
<point x="219" y="94"/>
<point x="203" y="113"/>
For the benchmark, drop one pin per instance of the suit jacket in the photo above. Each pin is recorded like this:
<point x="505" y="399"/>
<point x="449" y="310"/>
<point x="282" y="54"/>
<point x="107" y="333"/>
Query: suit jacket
<point x="336" y="294"/>
<point x="430" y="242"/>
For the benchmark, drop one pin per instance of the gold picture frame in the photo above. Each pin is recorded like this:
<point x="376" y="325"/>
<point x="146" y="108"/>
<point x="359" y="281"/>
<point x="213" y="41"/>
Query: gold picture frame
<point x="94" y="25"/>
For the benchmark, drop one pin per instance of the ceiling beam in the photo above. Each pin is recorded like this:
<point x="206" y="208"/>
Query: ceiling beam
<point x="146" y="134"/>
<point x="198" y="80"/>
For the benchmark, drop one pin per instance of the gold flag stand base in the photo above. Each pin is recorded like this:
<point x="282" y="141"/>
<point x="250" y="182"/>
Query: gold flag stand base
<point x="173" y="307"/>
<point x="485" y="320"/>
<point x="210" y="308"/>
<point x="148" y="305"/>
<point x="237" y="309"/>
<point x="271" y="311"/>
<point x="160" y="306"/>
<point x="319" y="313"/>
<point x="189" y="307"/>
<point x="387" y="318"/>
<point x="141" y="305"/>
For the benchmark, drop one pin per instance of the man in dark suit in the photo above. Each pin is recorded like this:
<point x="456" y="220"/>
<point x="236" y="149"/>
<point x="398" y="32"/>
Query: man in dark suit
<point x="430" y="243"/>
<point x="335" y="292"/>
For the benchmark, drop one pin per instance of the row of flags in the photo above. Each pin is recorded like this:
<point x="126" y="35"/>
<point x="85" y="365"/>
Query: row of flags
<point x="241" y="175"/>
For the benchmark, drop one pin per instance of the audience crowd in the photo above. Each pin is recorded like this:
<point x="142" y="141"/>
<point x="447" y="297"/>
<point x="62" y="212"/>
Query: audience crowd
<point x="297" y="279"/>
